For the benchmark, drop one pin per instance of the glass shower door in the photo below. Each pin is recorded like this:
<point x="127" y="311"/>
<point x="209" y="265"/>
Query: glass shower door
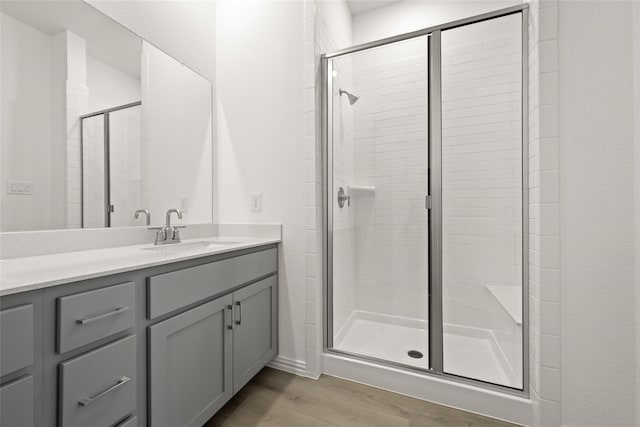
<point x="482" y="201"/>
<point x="377" y="154"/>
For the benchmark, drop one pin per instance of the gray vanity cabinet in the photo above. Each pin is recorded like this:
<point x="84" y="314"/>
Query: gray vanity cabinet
<point x="21" y="360"/>
<point x="166" y="345"/>
<point x="255" y="329"/>
<point x="199" y="359"/>
<point x="190" y="365"/>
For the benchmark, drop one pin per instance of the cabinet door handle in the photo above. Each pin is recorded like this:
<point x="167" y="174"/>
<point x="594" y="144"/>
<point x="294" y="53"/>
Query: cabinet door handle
<point x="230" y="308"/>
<point x="86" y="320"/>
<point x="239" y="321"/>
<point x="87" y="400"/>
<point x="123" y="422"/>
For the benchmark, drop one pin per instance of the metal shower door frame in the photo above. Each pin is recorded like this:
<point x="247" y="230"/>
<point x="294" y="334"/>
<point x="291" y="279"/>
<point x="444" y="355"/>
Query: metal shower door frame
<point x="434" y="181"/>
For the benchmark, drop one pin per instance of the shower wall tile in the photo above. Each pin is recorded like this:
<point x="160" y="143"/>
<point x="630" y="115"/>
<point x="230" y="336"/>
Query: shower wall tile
<point x="550" y="414"/>
<point x="544" y="307"/>
<point x="548" y="155"/>
<point x="549" y="350"/>
<point x="548" y="56"/>
<point x="310" y="309"/>
<point x="549" y="319"/>
<point x="550" y="292"/>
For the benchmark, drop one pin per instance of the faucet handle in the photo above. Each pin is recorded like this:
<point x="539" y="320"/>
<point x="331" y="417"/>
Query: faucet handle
<point x="176" y="231"/>
<point x="161" y="235"/>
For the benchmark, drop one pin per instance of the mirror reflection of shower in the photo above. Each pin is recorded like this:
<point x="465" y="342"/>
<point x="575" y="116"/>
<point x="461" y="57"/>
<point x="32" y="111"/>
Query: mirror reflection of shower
<point x="352" y="98"/>
<point x="112" y="166"/>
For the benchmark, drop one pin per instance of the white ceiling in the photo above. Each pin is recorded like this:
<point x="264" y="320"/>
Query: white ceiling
<point x="106" y="39"/>
<point x="360" y="6"/>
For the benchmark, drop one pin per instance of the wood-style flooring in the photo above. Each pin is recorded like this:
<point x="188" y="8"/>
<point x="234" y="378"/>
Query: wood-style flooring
<point x="276" y="398"/>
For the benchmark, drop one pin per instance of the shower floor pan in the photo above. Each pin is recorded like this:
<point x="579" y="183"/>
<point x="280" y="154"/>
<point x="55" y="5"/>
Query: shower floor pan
<point x="468" y="353"/>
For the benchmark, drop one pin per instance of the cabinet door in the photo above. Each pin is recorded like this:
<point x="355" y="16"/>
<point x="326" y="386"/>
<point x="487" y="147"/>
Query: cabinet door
<point x="16" y="338"/>
<point x="255" y="339"/>
<point x="190" y="366"/>
<point x="16" y="403"/>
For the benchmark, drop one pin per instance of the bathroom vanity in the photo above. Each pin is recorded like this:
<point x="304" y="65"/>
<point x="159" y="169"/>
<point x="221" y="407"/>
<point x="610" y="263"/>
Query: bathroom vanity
<point x="147" y="336"/>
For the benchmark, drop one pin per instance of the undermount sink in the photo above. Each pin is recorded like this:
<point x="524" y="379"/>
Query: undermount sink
<point x="189" y="246"/>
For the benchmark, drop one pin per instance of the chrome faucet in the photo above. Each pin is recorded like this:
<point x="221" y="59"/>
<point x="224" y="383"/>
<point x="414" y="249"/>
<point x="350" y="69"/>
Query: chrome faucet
<point x="168" y="234"/>
<point x="146" y="213"/>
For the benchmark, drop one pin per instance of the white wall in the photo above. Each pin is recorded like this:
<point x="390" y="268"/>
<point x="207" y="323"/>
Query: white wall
<point x="336" y="29"/>
<point x="109" y="86"/>
<point x="182" y="28"/>
<point x="261" y="137"/>
<point x="176" y="137"/>
<point x="597" y="216"/>
<point x="26" y="125"/>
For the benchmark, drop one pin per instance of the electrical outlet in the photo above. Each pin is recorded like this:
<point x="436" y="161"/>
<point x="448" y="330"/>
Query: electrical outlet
<point x="256" y="202"/>
<point x="19" y="187"/>
<point x="184" y="203"/>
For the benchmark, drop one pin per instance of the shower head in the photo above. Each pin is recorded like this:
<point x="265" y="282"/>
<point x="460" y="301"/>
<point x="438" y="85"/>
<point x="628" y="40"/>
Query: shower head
<point x="352" y="98"/>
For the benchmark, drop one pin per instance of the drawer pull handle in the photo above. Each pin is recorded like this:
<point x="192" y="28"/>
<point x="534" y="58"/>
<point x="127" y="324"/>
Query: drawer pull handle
<point x="239" y="321"/>
<point x="87" y="400"/>
<point x="102" y="316"/>
<point x="230" y="325"/>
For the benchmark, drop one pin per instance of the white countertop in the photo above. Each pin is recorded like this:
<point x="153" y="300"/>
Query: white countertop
<point x="37" y="272"/>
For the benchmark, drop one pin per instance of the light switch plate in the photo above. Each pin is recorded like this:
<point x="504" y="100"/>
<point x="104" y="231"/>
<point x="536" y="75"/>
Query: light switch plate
<point x="256" y="202"/>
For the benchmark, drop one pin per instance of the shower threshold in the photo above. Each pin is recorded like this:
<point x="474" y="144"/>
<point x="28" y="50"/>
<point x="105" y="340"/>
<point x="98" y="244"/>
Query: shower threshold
<point x="391" y="338"/>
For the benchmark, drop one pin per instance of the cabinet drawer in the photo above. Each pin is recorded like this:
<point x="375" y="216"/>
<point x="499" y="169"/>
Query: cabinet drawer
<point x="99" y="387"/>
<point x="16" y="338"/>
<point x="170" y="291"/>
<point x="16" y="403"/>
<point x="89" y="316"/>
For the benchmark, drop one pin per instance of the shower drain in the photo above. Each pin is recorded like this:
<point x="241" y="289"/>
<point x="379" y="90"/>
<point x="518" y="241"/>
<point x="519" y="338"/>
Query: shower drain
<point x="415" y="354"/>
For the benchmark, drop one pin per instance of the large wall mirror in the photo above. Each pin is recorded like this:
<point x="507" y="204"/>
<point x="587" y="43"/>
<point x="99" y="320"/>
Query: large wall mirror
<point x="97" y="123"/>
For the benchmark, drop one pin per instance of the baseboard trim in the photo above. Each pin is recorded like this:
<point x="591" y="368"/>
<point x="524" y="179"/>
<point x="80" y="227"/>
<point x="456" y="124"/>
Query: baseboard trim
<point x="286" y="364"/>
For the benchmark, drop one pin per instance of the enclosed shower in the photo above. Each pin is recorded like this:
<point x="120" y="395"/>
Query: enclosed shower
<point x="112" y="166"/>
<point x="425" y="196"/>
